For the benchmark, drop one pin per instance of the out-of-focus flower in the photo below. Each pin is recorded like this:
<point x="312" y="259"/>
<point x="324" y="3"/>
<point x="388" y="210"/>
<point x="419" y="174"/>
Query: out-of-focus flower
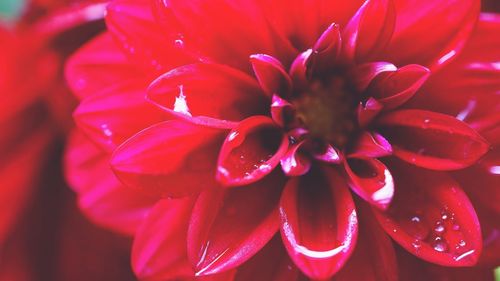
<point x="337" y="123"/>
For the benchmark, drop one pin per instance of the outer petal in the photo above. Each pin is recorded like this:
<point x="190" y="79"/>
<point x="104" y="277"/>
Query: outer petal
<point x="474" y="73"/>
<point x="374" y="258"/>
<point x="436" y="44"/>
<point x="133" y="25"/>
<point x="318" y="222"/>
<point x="432" y="140"/>
<point x="98" y="65"/>
<point x="229" y="226"/>
<point x="209" y="90"/>
<point x="371" y="144"/>
<point x="371" y="180"/>
<point x="172" y="158"/>
<point x="101" y="196"/>
<point x="269" y="264"/>
<point x="432" y="218"/>
<point x="251" y="151"/>
<point x="159" y="251"/>
<point x="116" y="113"/>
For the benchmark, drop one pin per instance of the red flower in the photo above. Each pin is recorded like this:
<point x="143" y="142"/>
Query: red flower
<point x="225" y="121"/>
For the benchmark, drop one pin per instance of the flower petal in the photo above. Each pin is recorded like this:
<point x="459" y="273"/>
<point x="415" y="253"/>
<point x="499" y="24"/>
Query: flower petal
<point x="272" y="76"/>
<point x="301" y="70"/>
<point x="432" y="140"/>
<point x="392" y="89"/>
<point x="374" y="258"/>
<point x="282" y="112"/>
<point x="371" y="180"/>
<point x="328" y="48"/>
<point x="318" y="222"/>
<point x="133" y="24"/>
<point x="270" y="263"/>
<point x="431" y="217"/>
<point x="162" y="159"/>
<point x="367" y="111"/>
<point x="251" y="151"/>
<point x="436" y="44"/>
<point x="362" y="75"/>
<point x="369" y="30"/>
<point x="210" y="90"/>
<point x="114" y="114"/>
<point x="251" y="214"/>
<point x="102" y="198"/>
<point x="159" y="251"/>
<point x="295" y="162"/>
<point x="371" y="144"/>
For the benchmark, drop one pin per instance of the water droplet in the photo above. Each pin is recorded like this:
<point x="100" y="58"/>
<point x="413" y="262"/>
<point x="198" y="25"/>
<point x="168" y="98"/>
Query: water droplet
<point x="426" y="121"/>
<point x="461" y="243"/>
<point x="417" y="244"/>
<point x="456" y="227"/>
<point x="417" y="228"/>
<point x="440" y="245"/>
<point x="439" y="228"/>
<point x="415" y="219"/>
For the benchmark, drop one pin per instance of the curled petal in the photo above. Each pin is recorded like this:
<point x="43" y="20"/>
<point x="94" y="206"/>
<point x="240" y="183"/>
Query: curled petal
<point x="432" y="140"/>
<point x="159" y="251"/>
<point x="371" y="180"/>
<point x="273" y="78"/>
<point x="209" y="90"/>
<point x="250" y="212"/>
<point x="371" y="144"/>
<point x="328" y="154"/>
<point x="367" y="111"/>
<point x="251" y="151"/>
<point x="392" y="89"/>
<point x="369" y="30"/>
<point x="431" y="217"/>
<point x="328" y="48"/>
<point x="162" y="159"/>
<point x="301" y="71"/>
<point x="294" y="162"/>
<point x="282" y="111"/>
<point x="362" y="75"/>
<point x="318" y="222"/>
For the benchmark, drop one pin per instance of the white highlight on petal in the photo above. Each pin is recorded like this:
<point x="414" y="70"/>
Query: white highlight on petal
<point x="495" y="170"/>
<point x="462" y="115"/>
<point x="180" y="104"/>
<point x="385" y="194"/>
<point x="446" y="57"/>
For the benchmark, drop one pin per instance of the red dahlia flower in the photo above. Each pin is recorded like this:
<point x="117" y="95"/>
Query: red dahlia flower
<point x="337" y="123"/>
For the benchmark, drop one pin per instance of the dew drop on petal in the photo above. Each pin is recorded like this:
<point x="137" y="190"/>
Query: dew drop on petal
<point x="439" y="228"/>
<point x="440" y="245"/>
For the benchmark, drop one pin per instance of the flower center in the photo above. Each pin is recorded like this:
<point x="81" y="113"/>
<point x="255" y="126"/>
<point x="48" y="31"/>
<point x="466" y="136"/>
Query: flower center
<point x="326" y="110"/>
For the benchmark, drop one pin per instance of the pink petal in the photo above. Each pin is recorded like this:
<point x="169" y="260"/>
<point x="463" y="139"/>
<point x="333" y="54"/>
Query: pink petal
<point x="367" y="111"/>
<point x="97" y="65"/>
<point x="328" y="49"/>
<point x="362" y="75"/>
<point x="159" y="251"/>
<point x="101" y="196"/>
<point x="472" y="78"/>
<point x="417" y="38"/>
<point x="318" y="222"/>
<point x="251" y="151"/>
<point x="369" y="30"/>
<point x="371" y="180"/>
<point x="295" y="162"/>
<point x="432" y="140"/>
<point x="270" y="263"/>
<point x="251" y="215"/>
<point x="112" y="115"/>
<point x="163" y="158"/>
<point x="374" y="258"/>
<point x="133" y="25"/>
<point x="210" y="90"/>
<point x="282" y="112"/>
<point x="393" y="89"/>
<point x="301" y="71"/>
<point x="432" y="218"/>
<point x="371" y="144"/>
<point x="272" y="76"/>
<point x="327" y="153"/>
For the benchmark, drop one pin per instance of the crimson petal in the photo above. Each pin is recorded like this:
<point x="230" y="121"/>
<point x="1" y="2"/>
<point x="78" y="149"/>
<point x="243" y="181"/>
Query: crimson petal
<point x="392" y="89"/>
<point x="367" y="111"/>
<point x="251" y="151"/>
<point x="301" y="71"/>
<point x="432" y="140"/>
<point x="158" y="252"/>
<point x="294" y="162"/>
<point x="282" y="111"/>
<point x="362" y="75"/>
<point x="328" y="48"/>
<point x="371" y="180"/>
<point x="431" y="217"/>
<point x="116" y="113"/>
<point x="369" y="30"/>
<point x="250" y="212"/>
<point x="163" y="158"/>
<point x="371" y="144"/>
<point x="210" y="90"/>
<point x="318" y="222"/>
<point x="271" y="75"/>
